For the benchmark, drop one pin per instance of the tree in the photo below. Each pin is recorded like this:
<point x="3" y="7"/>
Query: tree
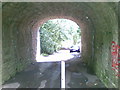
<point x="53" y="32"/>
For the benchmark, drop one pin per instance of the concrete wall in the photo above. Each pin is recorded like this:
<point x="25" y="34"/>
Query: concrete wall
<point x="0" y="44"/>
<point x="98" y="22"/>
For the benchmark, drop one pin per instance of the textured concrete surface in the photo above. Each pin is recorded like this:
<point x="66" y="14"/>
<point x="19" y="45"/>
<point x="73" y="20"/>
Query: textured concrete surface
<point x="0" y="44"/>
<point x="98" y="23"/>
<point x="48" y="75"/>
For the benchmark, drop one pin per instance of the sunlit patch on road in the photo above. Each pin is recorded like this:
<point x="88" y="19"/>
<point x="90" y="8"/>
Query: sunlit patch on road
<point x="62" y="55"/>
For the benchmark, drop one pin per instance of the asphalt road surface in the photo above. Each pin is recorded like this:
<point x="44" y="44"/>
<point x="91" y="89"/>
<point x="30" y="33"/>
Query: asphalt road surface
<point x="48" y="74"/>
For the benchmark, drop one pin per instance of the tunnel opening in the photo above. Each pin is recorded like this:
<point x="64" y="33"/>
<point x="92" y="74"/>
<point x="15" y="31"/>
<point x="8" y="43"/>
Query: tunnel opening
<point x="71" y="72"/>
<point x="58" y="36"/>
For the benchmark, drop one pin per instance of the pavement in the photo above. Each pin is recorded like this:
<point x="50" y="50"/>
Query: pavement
<point x="47" y="74"/>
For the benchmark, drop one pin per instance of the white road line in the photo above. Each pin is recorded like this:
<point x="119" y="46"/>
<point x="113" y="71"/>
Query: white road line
<point x="62" y="74"/>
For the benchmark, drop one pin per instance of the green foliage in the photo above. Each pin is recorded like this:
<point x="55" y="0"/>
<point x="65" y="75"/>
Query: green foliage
<point x="44" y="54"/>
<point x="53" y="32"/>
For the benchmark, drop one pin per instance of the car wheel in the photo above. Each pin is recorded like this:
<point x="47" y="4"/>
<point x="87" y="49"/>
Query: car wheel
<point x="78" y="51"/>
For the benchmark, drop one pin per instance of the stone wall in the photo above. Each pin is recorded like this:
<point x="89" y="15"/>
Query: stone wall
<point x="0" y="44"/>
<point x="119" y="31"/>
<point x="17" y="41"/>
<point x="106" y="32"/>
<point x="98" y="23"/>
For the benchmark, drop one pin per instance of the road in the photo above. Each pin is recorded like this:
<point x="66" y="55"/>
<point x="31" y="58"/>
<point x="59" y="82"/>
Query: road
<point x="47" y="74"/>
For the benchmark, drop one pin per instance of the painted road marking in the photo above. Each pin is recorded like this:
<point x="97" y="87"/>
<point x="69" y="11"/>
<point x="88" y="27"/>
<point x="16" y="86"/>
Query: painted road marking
<point x="62" y="74"/>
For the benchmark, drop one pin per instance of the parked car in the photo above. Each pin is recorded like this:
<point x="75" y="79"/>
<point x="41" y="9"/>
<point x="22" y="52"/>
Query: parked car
<point x="74" y="48"/>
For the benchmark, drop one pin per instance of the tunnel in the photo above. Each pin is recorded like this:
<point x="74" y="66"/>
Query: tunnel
<point x="99" y="27"/>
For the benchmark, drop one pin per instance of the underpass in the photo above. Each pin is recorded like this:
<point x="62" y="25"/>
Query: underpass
<point x="99" y="27"/>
